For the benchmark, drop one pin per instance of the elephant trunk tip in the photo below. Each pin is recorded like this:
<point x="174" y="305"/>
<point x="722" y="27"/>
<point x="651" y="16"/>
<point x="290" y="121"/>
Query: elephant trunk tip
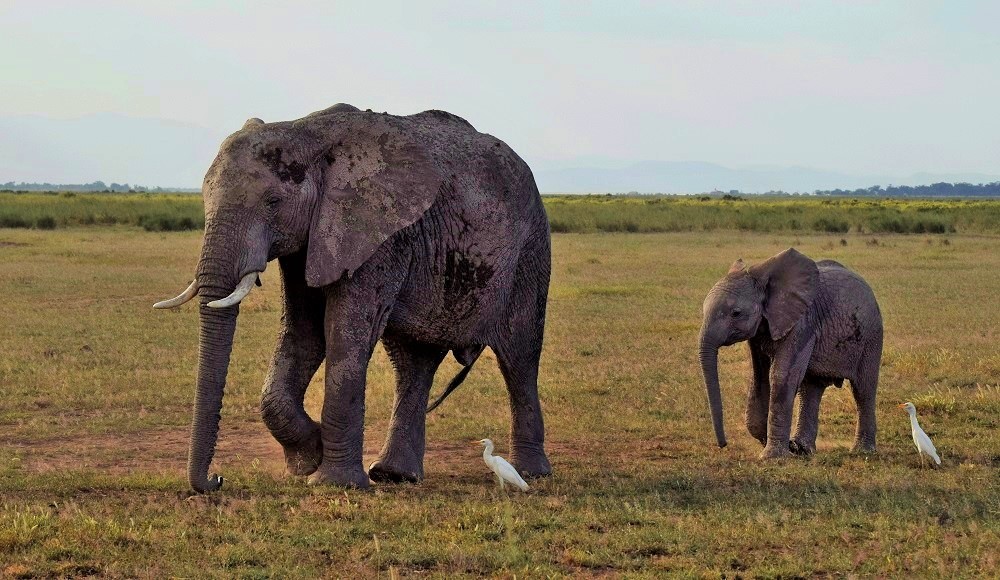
<point x="212" y="483"/>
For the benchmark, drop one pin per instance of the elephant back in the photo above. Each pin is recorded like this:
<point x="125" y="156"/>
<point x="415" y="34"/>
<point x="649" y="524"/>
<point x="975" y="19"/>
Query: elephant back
<point x="381" y="173"/>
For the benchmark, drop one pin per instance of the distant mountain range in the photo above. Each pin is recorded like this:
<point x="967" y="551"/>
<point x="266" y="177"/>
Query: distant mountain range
<point x="172" y="155"/>
<point x="698" y="177"/>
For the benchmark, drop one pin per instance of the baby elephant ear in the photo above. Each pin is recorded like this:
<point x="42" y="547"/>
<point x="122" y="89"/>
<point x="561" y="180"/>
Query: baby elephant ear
<point x="790" y="280"/>
<point x="377" y="179"/>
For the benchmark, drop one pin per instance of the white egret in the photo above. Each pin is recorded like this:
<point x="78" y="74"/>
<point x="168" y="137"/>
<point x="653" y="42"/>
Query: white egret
<point x="504" y="471"/>
<point x="922" y="441"/>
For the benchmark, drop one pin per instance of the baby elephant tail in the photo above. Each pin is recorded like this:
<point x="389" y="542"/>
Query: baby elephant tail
<point x="467" y="357"/>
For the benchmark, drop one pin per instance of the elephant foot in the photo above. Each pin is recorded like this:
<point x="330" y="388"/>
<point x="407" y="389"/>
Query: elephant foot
<point x="758" y="432"/>
<point x="531" y="464"/>
<point x="801" y="447"/>
<point x="304" y="458"/>
<point x="389" y="471"/>
<point x="353" y="477"/>
<point x="863" y="447"/>
<point x="775" y="451"/>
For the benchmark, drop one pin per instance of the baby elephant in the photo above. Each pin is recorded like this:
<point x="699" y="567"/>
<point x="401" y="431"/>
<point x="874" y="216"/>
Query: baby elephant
<point x="809" y="325"/>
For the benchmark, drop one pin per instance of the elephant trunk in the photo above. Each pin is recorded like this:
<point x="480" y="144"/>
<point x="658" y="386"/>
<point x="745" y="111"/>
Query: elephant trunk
<point x="709" y="354"/>
<point x="215" y="343"/>
<point x="216" y="280"/>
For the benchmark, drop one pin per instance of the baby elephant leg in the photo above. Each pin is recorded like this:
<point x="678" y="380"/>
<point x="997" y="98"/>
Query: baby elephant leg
<point x="787" y="374"/>
<point x="810" y="395"/>
<point x="758" y="395"/>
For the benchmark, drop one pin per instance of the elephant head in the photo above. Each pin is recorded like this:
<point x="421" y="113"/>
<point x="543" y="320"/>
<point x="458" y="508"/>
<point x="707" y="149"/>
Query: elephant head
<point x="335" y="184"/>
<point x="777" y="291"/>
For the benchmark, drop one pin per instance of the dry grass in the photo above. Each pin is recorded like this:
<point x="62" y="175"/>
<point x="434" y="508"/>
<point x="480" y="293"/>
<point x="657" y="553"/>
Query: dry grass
<point x="97" y="390"/>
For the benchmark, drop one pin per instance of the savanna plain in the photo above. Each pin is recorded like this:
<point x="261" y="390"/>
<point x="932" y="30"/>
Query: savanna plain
<point x="97" y="390"/>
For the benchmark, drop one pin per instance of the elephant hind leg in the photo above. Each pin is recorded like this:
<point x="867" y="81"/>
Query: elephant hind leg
<point x="864" y="389"/>
<point x="810" y="395"/>
<point x="402" y="455"/>
<point x="518" y="349"/>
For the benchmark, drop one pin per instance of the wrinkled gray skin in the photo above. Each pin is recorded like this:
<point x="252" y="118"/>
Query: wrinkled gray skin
<point x="809" y="325"/>
<point x="419" y="231"/>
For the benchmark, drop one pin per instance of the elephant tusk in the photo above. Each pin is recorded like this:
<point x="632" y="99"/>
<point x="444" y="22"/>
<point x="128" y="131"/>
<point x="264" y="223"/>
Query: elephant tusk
<point x="184" y="297"/>
<point x="242" y="289"/>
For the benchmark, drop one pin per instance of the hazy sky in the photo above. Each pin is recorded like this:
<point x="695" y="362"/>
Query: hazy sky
<point x="876" y="87"/>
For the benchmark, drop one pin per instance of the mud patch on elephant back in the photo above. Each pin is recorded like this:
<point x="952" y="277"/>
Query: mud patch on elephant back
<point x="463" y="276"/>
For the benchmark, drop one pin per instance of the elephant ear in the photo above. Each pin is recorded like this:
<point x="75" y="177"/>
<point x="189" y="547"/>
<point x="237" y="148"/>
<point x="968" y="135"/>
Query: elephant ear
<point x="790" y="280"/>
<point x="376" y="180"/>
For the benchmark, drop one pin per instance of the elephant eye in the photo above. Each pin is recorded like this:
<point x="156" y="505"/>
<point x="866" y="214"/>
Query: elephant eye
<point x="272" y="201"/>
<point x="737" y="312"/>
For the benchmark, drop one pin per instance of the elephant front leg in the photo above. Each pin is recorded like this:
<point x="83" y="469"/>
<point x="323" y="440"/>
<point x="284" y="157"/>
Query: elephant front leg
<point x="758" y="394"/>
<point x="292" y="368"/>
<point x="787" y="373"/>
<point x="804" y="441"/>
<point x="357" y="311"/>
<point x="402" y="455"/>
<point x="300" y="350"/>
<point x="343" y="420"/>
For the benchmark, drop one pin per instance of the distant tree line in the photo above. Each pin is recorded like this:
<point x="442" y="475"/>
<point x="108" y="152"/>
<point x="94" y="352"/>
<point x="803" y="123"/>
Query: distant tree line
<point x="932" y="190"/>
<point x="96" y="186"/>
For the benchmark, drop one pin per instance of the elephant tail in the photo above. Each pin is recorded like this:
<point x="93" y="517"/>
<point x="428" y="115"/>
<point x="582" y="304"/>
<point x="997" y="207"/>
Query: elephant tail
<point x="467" y="358"/>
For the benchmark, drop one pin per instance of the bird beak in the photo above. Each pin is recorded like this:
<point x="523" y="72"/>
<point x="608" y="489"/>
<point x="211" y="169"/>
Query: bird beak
<point x="476" y="442"/>
<point x="901" y="405"/>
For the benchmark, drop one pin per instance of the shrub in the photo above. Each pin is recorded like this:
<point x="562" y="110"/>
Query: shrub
<point x="560" y="227"/>
<point x="167" y="223"/>
<point x="882" y="224"/>
<point x="46" y="222"/>
<point x="831" y="225"/>
<point x="13" y="221"/>
<point x="619" y="225"/>
<point x="929" y="226"/>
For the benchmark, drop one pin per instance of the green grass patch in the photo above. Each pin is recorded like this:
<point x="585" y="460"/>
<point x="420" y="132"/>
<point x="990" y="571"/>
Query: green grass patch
<point x="97" y="390"/>
<point x="152" y="212"/>
<point x="567" y="213"/>
<point x="655" y="214"/>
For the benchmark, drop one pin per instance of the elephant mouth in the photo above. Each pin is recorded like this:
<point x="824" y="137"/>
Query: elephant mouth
<point x="247" y="282"/>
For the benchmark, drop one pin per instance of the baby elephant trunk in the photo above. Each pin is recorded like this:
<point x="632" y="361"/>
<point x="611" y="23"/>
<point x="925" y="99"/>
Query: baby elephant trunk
<point x="709" y="354"/>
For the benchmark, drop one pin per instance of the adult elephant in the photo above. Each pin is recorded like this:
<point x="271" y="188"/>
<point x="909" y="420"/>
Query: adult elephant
<point x="417" y="230"/>
<point x="809" y="325"/>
